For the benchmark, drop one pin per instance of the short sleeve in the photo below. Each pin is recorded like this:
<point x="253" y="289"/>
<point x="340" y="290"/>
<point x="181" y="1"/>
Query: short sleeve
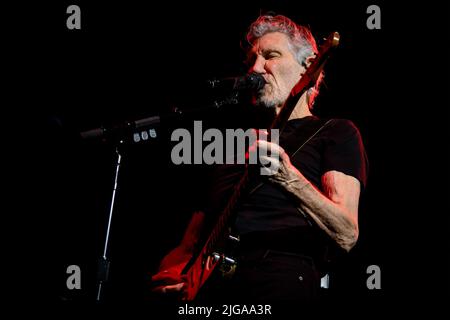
<point x="345" y="152"/>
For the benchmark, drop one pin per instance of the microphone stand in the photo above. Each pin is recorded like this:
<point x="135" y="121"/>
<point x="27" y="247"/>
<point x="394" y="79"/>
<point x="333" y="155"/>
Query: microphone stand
<point x="104" y="263"/>
<point x="139" y="131"/>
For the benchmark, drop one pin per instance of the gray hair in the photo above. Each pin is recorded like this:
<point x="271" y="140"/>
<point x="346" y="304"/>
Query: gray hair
<point x="301" y="42"/>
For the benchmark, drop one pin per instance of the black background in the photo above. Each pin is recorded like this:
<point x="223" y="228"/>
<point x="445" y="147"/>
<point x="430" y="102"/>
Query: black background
<point x="134" y="60"/>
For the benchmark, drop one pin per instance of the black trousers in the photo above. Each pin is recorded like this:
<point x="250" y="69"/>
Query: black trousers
<point x="272" y="266"/>
<point x="276" y="276"/>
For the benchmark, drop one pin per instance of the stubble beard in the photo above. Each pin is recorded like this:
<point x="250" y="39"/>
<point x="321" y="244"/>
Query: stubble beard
<point x="269" y="98"/>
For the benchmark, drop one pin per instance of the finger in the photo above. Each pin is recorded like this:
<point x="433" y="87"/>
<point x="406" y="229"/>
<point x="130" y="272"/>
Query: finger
<point x="273" y="148"/>
<point x="263" y="134"/>
<point x="266" y="160"/>
<point x="174" y="288"/>
<point x="159" y="289"/>
<point x="269" y="162"/>
<point x="269" y="166"/>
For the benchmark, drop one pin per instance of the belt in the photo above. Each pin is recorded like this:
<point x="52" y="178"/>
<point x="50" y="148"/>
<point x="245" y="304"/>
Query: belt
<point x="300" y="240"/>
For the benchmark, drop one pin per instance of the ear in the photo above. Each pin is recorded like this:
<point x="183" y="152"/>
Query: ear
<point x="310" y="59"/>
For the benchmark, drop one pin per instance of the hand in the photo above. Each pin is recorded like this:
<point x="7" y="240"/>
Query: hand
<point x="276" y="163"/>
<point x="275" y="160"/>
<point x="270" y="155"/>
<point x="170" y="282"/>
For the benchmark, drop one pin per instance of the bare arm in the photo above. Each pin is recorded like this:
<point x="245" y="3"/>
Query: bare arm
<point x="335" y="210"/>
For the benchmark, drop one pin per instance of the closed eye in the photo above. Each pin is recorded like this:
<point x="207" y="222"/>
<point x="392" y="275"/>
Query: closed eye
<point x="272" y="54"/>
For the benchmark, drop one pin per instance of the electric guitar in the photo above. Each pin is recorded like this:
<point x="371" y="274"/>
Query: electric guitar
<point x="201" y="266"/>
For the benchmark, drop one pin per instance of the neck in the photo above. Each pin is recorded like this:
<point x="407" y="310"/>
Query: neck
<point x="301" y="109"/>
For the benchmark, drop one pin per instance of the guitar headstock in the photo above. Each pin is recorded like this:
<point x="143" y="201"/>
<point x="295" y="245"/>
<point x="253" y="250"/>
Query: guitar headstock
<point x="325" y="49"/>
<point x="333" y="39"/>
<point x="312" y="73"/>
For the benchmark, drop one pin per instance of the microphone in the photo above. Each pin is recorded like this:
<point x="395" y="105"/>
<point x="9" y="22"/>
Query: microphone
<point x="147" y="128"/>
<point x="252" y="81"/>
<point x="138" y="130"/>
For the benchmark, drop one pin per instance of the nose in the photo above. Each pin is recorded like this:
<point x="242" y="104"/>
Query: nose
<point x="259" y="65"/>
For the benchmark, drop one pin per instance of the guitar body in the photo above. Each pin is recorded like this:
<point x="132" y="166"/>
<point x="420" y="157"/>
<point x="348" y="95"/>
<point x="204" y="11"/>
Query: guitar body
<point x="220" y="261"/>
<point x="199" y="272"/>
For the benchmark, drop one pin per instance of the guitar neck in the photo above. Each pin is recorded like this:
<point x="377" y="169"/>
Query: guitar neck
<point x="217" y="234"/>
<point x="200" y="267"/>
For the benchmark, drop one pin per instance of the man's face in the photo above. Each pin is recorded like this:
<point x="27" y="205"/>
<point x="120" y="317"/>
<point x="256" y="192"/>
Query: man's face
<point x="272" y="58"/>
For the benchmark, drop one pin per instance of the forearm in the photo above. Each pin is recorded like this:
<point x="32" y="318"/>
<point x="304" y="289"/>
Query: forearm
<point x="334" y="218"/>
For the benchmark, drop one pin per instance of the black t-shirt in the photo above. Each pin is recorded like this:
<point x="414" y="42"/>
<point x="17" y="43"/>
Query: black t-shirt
<point x="338" y="146"/>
